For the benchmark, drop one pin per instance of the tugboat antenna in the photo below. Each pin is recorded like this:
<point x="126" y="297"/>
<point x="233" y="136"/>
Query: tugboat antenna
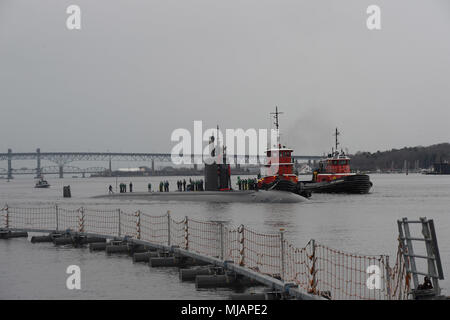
<point x="276" y="113"/>
<point x="277" y="124"/>
<point x="217" y="142"/>
<point x="217" y="133"/>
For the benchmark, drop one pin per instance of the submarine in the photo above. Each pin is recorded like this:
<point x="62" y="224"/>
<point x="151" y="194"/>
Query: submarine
<point x="277" y="184"/>
<point x="241" y="196"/>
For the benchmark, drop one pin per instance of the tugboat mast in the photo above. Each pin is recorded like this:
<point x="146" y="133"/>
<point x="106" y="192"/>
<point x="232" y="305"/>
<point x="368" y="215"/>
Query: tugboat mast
<point x="336" y="134"/>
<point x="277" y="124"/>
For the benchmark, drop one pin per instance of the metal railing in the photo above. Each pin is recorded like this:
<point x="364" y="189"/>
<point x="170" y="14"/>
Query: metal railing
<point x="314" y="269"/>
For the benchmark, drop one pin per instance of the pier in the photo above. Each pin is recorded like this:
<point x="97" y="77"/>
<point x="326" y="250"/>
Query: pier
<point x="215" y="254"/>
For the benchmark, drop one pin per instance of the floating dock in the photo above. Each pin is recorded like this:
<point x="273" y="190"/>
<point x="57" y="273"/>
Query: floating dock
<point x="214" y="254"/>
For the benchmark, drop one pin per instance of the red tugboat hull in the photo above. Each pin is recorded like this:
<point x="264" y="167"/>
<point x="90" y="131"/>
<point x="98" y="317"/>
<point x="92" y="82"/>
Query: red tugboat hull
<point x="353" y="184"/>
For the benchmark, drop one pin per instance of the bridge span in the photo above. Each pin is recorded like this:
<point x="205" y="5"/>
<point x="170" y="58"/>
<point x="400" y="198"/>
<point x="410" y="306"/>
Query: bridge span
<point x="63" y="158"/>
<point x="55" y="170"/>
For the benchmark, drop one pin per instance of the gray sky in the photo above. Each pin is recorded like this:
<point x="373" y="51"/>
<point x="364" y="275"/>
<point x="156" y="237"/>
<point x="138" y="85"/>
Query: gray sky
<point x="138" y="69"/>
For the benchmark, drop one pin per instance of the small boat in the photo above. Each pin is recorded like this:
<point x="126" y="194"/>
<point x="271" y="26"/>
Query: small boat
<point x="42" y="183"/>
<point x="334" y="175"/>
<point x="278" y="171"/>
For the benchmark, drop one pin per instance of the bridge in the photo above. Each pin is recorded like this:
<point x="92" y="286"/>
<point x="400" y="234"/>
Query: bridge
<point x="63" y="158"/>
<point x="55" y="170"/>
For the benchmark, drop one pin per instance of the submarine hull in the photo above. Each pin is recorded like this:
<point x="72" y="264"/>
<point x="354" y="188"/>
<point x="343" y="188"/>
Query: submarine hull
<point x="247" y="196"/>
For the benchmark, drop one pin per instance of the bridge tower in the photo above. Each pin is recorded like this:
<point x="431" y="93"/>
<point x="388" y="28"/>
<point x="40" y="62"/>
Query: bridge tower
<point x="61" y="171"/>
<point x="153" y="166"/>
<point x="236" y="163"/>
<point x="10" y="164"/>
<point x="38" y="165"/>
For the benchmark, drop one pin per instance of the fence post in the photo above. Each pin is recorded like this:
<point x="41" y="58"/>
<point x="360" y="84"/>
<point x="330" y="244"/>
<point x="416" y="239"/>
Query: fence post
<point x="312" y="271"/>
<point x="119" y="227"/>
<point x="56" y="217"/>
<point x="81" y="220"/>
<point x="168" y="228"/>
<point x="282" y="254"/>
<point x="388" y="278"/>
<point x="7" y="217"/>
<point x="221" y="241"/>
<point x="241" y="244"/>
<point x="186" y="233"/>
<point x="138" y="224"/>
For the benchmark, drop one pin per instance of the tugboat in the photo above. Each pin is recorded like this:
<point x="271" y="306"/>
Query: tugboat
<point x="334" y="175"/>
<point x="42" y="183"/>
<point x="278" y="171"/>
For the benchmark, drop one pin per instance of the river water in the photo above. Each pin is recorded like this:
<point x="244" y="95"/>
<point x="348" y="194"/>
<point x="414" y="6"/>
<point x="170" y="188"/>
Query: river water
<point x="364" y="224"/>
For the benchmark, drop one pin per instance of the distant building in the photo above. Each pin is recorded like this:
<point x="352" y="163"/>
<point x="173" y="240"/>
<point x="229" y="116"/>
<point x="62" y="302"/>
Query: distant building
<point x="305" y="169"/>
<point x="441" y="168"/>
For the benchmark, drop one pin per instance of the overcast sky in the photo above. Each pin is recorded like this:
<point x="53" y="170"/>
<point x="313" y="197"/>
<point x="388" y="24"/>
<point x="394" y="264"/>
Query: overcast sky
<point x="139" y="69"/>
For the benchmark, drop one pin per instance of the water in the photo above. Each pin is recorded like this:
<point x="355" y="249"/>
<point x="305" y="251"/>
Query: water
<point x="364" y="224"/>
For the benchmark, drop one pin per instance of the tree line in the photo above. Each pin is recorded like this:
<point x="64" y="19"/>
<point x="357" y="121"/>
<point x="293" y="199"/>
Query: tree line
<point x="416" y="157"/>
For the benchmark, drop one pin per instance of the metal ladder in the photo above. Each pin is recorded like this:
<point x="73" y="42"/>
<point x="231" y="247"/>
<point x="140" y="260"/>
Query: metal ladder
<point x="433" y="258"/>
